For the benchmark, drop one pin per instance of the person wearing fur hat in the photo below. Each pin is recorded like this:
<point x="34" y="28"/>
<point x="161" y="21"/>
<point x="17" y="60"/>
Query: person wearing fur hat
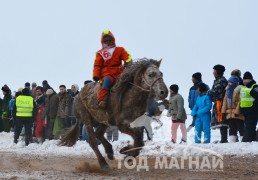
<point x="237" y="72"/>
<point x="231" y="109"/>
<point x="24" y="111"/>
<point x="6" y="114"/>
<point x="193" y="94"/>
<point x="249" y="106"/>
<point x="217" y="94"/>
<point x="177" y="113"/>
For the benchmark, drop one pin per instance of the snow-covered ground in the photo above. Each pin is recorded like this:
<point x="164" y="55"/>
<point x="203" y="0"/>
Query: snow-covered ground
<point x="160" y="146"/>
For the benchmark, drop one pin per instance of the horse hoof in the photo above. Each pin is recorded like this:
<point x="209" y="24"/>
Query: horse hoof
<point x="105" y="167"/>
<point x="110" y="156"/>
<point x="125" y="149"/>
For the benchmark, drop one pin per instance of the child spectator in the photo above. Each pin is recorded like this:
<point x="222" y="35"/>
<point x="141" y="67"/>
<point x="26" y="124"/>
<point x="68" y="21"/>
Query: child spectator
<point x="177" y="111"/>
<point x="202" y="113"/>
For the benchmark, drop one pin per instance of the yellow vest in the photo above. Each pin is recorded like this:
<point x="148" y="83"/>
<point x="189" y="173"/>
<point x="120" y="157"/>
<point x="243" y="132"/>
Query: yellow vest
<point x="24" y="105"/>
<point x="246" y="100"/>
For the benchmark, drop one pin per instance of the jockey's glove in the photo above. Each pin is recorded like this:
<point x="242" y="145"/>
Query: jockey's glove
<point x="95" y="78"/>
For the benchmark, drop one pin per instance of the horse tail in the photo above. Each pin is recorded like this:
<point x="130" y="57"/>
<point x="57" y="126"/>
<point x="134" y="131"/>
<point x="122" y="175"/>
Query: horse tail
<point x="70" y="137"/>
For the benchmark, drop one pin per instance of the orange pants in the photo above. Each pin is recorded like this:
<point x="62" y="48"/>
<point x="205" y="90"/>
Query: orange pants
<point x="218" y="110"/>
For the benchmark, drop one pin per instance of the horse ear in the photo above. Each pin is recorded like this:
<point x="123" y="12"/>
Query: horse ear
<point x="159" y="62"/>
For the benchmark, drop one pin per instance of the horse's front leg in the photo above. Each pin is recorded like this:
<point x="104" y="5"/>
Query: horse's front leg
<point x="137" y="136"/>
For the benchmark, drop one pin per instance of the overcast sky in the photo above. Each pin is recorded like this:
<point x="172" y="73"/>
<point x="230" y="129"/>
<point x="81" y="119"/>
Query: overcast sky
<point x="56" y="40"/>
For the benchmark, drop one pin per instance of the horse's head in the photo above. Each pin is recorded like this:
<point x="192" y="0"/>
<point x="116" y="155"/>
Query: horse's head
<point x="143" y="77"/>
<point x="152" y="79"/>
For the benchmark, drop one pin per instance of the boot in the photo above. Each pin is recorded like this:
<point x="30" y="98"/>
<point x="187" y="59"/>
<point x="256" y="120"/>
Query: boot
<point x="183" y="141"/>
<point x="16" y="137"/>
<point x="233" y="138"/>
<point x="224" y="134"/>
<point x="27" y="140"/>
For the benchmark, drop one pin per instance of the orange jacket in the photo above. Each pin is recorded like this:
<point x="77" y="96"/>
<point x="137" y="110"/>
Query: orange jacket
<point x="108" y="61"/>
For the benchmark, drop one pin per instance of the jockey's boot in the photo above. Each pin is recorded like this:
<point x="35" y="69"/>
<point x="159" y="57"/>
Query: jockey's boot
<point x="103" y="103"/>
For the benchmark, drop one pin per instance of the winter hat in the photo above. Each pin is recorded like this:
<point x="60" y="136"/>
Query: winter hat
<point x="107" y="33"/>
<point x="20" y="90"/>
<point x="248" y="75"/>
<point x="197" y="76"/>
<point x="76" y="87"/>
<point x="49" y="92"/>
<point x="219" y="68"/>
<point x="27" y="84"/>
<point x="6" y="89"/>
<point x="33" y="84"/>
<point x="174" y="88"/>
<point x="26" y="91"/>
<point x="44" y="83"/>
<point x="236" y="72"/>
<point x="233" y="79"/>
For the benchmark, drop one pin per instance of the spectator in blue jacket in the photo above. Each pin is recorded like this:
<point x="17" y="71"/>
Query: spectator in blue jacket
<point x="193" y="93"/>
<point x="202" y="113"/>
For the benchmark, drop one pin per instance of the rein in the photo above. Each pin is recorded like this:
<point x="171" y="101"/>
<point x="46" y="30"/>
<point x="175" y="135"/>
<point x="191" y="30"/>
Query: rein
<point x="150" y="85"/>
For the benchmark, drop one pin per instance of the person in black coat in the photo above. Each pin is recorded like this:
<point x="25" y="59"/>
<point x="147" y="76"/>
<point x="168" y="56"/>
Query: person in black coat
<point x="250" y="113"/>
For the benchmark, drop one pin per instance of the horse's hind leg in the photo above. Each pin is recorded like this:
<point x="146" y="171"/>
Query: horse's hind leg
<point x="108" y="147"/>
<point x="92" y="141"/>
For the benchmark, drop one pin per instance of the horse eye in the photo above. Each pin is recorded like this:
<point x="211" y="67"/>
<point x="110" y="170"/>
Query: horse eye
<point x="150" y="75"/>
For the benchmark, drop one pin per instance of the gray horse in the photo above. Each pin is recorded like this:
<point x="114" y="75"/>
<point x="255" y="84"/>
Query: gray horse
<point x="127" y="101"/>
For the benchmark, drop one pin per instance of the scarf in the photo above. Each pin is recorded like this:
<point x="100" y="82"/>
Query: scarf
<point x="229" y="93"/>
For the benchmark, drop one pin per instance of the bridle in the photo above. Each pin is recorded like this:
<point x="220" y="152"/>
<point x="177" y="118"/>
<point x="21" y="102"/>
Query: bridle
<point x="149" y="85"/>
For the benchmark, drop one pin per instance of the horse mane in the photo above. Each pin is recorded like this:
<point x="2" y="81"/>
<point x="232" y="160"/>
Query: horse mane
<point x="131" y="75"/>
